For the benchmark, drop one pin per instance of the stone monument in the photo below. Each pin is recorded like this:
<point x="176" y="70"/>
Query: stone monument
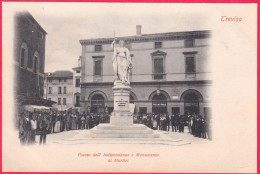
<point x="121" y="120"/>
<point x="121" y="114"/>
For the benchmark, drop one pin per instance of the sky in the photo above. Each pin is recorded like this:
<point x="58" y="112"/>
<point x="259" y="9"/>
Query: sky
<point x="67" y="23"/>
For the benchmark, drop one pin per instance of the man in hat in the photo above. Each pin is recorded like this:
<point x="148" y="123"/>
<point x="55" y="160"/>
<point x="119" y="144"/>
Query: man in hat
<point x="24" y="128"/>
<point x="44" y="126"/>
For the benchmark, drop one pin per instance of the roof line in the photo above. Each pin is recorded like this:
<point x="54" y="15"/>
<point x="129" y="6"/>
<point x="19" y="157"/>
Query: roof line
<point x="167" y="35"/>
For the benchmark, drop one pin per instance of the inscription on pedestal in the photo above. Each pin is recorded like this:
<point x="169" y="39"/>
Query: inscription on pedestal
<point x="121" y="102"/>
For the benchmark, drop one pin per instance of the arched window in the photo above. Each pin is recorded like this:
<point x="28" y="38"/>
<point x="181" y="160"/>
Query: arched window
<point x="97" y="97"/>
<point x="23" y="55"/>
<point x="191" y="97"/>
<point x="36" y="62"/>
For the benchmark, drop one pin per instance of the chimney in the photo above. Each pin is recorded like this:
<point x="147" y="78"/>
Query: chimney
<point x="79" y="61"/>
<point x="139" y="30"/>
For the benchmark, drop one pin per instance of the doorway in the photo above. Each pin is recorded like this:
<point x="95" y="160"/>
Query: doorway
<point x="191" y="104"/>
<point x="97" y="104"/>
<point x="159" y="104"/>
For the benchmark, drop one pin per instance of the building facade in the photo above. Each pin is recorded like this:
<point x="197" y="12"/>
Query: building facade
<point x="29" y="62"/>
<point x="59" y="88"/>
<point x="76" y="85"/>
<point x="171" y="72"/>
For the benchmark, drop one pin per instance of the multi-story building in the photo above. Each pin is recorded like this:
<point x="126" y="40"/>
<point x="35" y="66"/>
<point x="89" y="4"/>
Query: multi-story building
<point x="171" y="72"/>
<point x="29" y="62"/>
<point x="76" y="84"/>
<point x="59" y="88"/>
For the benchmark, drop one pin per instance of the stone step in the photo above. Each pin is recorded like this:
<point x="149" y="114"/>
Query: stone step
<point x="121" y="131"/>
<point x="111" y="127"/>
<point x="124" y="135"/>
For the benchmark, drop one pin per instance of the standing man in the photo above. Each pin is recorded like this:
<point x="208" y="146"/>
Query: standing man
<point x="33" y="129"/>
<point x="67" y="121"/>
<point x="87" y="121"/>
<point x="189" y="122"/>
<point x="82" y="119"/>
<point x="173" y="122"/>
<point x="90" y="121"/>
<point x="177" y="122"/>
<point x="44" y="126"/>
<point x="167" y="122"/>
<point x="158" y="119"/>
<point x="53" y="120"/>
<point x="24" y="128"/>
<point x="181" y="123"/>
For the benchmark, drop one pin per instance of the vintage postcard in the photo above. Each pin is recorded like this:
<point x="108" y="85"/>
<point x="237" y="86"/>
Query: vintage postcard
<point x="129" y="87"/>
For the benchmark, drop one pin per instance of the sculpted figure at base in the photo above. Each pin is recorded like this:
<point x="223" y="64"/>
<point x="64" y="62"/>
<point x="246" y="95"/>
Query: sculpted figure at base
<point x="122" y="62"/>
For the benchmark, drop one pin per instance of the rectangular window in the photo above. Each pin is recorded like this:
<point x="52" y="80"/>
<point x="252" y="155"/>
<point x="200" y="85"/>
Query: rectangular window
<point x="77" y="82"/>
<point x="59" y="92"/>
<point x="157" y="45"/>
<point x="65" y="80"/>
<point x="190" y="65"/>
<point x="50" y="90"/>
<point x="158" y="68"/>
<point x="50" y="80"/>
<point x="189" y="43"/>
<point x="78" y="71"/>
<point x="22" y="57"/>
<point x="98" y="68"/>
<point x="64" y="90"/>
<point x="77" y="101"/>
<point x="59" y="101"/>
<point x="35" y="66"/>
<point x="98" y="48"/>
<point x="59" y="80"/>
<point x="64" y="101"/>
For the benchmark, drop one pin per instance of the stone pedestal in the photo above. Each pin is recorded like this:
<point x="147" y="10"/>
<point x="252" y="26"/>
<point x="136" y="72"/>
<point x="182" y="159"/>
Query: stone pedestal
<point x="121" y="115"/>
<point x="121" y="120"/>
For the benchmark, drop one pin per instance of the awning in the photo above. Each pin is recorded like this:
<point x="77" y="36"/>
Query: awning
<point x="33" y="108"/>
<point x="25" y="100"/>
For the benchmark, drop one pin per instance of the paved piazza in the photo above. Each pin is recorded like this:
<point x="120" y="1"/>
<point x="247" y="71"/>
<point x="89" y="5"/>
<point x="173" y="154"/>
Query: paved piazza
<point x="83" y="137"/>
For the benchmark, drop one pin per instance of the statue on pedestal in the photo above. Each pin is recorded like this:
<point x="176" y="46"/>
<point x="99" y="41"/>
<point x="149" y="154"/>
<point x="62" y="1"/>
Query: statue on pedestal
<point x="121" y="124"/>
<point x="122" y="62"/>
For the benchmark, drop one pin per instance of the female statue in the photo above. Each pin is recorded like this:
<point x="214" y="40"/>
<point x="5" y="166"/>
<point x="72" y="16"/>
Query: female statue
<point x="121" y="62"/>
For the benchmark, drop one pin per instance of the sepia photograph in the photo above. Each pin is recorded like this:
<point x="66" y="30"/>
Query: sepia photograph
<point x="127" y="87"/>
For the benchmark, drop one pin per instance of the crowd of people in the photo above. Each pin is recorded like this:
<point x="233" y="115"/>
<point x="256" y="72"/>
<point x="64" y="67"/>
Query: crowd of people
<point x="196" y="124"/>
<point x="42" y="123"/>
